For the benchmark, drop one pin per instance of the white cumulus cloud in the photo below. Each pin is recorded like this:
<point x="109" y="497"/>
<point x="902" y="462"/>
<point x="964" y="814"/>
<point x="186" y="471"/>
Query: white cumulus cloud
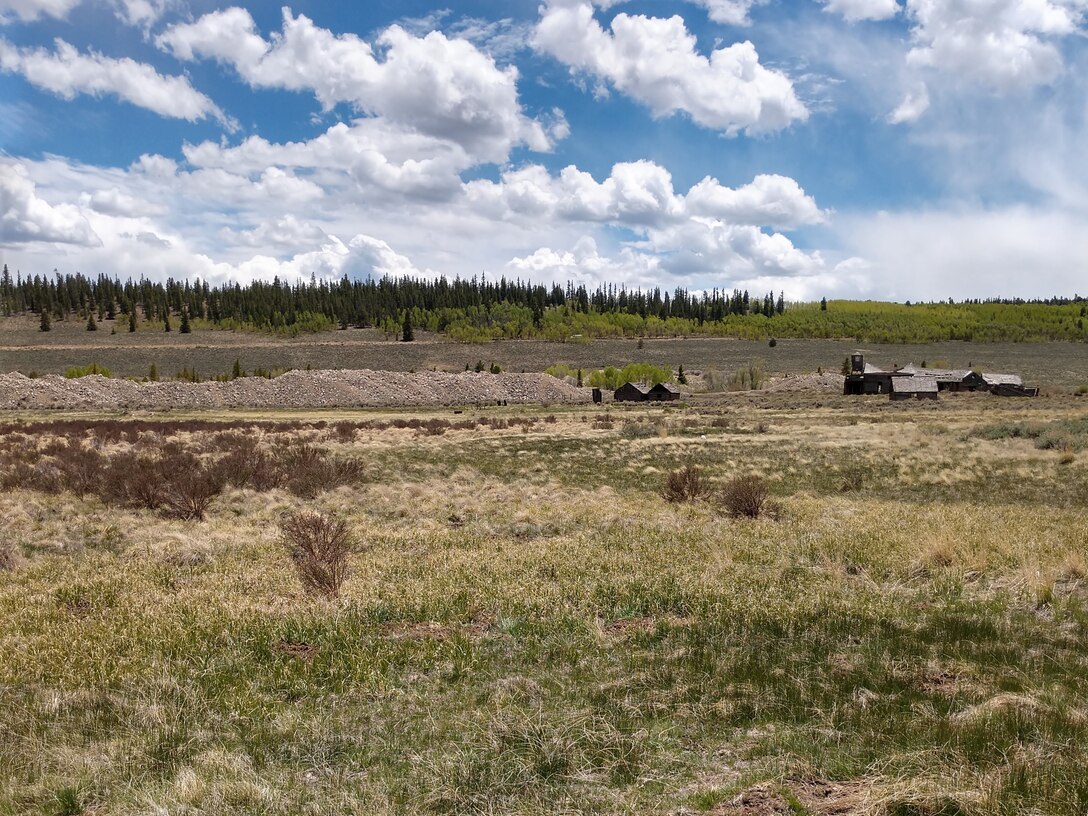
<point x="66" y="72"/>
<point x="656" y="61"/>
<point x="441" y="87"/>
<point x="26" y="217"/>
<point x="856" y="10"/>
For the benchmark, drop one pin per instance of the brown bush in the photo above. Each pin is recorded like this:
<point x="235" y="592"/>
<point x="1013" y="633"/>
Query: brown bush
<point x="319" y="546"/>
<point x="187" y="493"/>
<point x="247" y="465"/>
<point x="685" y="485"/>
<point x="746" y="496"/>
<point x="311" y="470"/>
<point x="80" y="470"/>
<point x="132" y="480"/>
<point x="7" y="557"/>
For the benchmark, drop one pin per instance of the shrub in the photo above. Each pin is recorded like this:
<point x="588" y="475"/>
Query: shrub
<point x="311" y="471"/>
<point x="685" y="485"/>
<point x="748" y="378"/>
<point x="190" y="490"/>
<point x="246" y="465"/>
<point x="319" y="546"/>
<point x="86" y="371"/>
<point x="745" y="497"/>
<point x="80" y="470"/>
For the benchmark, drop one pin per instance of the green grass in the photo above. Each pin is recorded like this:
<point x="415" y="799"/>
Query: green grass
<point x="536" y="630"/>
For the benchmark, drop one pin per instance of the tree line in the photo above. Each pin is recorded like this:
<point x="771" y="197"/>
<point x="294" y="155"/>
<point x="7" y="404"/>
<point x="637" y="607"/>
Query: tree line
<point x="481" y="309"/>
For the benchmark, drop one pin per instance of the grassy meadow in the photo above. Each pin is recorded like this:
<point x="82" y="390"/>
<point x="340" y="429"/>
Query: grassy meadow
<point x="529" y="627"/>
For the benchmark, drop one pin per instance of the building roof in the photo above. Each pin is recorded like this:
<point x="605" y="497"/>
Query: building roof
<point x="951" y="375"/>
<point x="1001" y="379"/>
<point x="672" y="389"/>
<point x="915" y="384"/>
<point x="872" y="369"/>
<point x="642" y="388"/>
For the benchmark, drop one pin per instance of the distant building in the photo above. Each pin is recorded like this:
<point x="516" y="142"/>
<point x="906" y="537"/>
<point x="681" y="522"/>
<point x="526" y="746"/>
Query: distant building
<point x="916" y="386"/>
<point x="632" y="392"/>
<point x="864" y="378"/>
<point x="663" y="392"/>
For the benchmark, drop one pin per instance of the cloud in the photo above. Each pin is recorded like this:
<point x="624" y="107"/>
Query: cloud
<point x="727" y="12"/>
<point x="1002" y="45"/>
<point x="769" y="200"/>
<point x="914" y="104"/>
<point x="440" y="87"/>
<point x="857" y="10"/>
<point x="583" y="263"/>
<point x="968" y="253"/>
<point x="66" y="73"/>
<point x="33" y="9"/>
<point x="655" y="61"/>
<point x="26" y="217"/>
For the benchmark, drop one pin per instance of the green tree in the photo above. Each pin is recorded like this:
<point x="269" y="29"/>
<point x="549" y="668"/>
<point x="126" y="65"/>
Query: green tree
<point x="153" y="373"/>
<point x="406" y="333"/>
<point x="579" y="378"/>
<point x="91" y="325"/>
<point x="823" y="304"/>
<point x="46" y="323"/>
<point x="681" y="377"/>
<point x="132" y="320"/>
<point x="185" y="327"/>
<point x="166" y="322"/>
<point x="237" y="371"/>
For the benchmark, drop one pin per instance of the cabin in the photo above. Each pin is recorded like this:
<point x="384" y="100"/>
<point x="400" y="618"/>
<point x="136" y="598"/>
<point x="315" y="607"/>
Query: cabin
<point x="632" y="392"/>
<point x="915" y="386"/>
<point x="864" y="378"/>
<point x="663" y="392"/>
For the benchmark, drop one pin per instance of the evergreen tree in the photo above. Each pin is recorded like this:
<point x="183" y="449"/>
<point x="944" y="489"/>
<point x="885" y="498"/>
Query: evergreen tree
<point x="579" y="378"/>
<point x="185" y="327"/>
<point x="823" y="304"/>
<point x="153" y="373"/>
<point x="46" y="323"/>
<point x="237" y="372"/>
<point x="406" y="333"/>
<point x="132" y="320"/>
<point x="681" y="377"/>
<point x="166" y="323"/>
<point x="91" y="325"/>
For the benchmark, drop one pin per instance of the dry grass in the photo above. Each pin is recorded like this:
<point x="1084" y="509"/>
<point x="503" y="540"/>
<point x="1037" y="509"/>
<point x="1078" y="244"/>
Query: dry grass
<point x="535" y="629"/>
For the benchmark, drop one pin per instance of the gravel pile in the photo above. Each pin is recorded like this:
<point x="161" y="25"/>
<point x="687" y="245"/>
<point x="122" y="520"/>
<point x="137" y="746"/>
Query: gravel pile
<point x="295" y="389"/>
<point x="806" y="383"/>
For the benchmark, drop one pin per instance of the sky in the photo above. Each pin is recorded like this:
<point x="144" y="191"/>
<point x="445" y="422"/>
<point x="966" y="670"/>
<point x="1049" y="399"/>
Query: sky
<point x="865" y="149"/>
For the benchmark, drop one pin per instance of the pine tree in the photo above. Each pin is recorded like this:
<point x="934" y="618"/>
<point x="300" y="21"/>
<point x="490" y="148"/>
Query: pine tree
<point x="185" y="327"/>
<point x="579" y="378"/>
<point x="681" y="377"/>
<point x="166" y="322"/>
<point x="823" y="304"/>
<point x="407" y="335"/>
<point x="46" y="322"/>
<point x="132" y="320"/>
<point x="153" y="373"/>
<point x="91" y="325"/>
<point x="237" y="372"/>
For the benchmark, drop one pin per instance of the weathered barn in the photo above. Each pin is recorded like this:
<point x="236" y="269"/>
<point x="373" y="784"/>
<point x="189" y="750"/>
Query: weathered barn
<point x="632" y="392"/>
<point x="915" y="386"/>
<point x="868" y="379"/>
<point x="663" y="392"/>
<point x="948" y="379"/>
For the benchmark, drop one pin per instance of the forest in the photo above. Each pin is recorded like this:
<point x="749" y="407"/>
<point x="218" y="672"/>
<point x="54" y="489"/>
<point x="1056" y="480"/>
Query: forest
<point x="479" y="309"/>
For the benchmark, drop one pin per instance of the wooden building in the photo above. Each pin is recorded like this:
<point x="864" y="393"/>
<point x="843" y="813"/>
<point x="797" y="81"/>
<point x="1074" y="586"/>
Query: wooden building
<point x="663" y="392"/>
<point x="632" y="392"/>
<point x="915" y="386"/>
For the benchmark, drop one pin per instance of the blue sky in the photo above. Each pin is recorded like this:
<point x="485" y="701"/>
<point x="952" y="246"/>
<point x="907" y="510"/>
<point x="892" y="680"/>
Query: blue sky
<point x="893" y="149"/>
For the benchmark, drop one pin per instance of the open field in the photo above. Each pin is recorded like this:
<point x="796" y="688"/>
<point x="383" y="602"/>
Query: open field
<point x="211" y="352"/>
<point x="531" y="628"/>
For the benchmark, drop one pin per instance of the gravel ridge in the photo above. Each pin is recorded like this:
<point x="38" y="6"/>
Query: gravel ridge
<point x="338" y="388"/>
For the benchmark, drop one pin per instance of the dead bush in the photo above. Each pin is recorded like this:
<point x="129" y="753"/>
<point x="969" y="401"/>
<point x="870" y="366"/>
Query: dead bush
<point x="746" y="497"/>
<point x="247" y="465"/>
<point x="311" y="471"/>
<point x="7" y="557"/>
<point x="187" y="494"/>
<point x="685" y="485"/>
<point x="319" y="546"/>
<point x="132" y="480"/>
<point x="80" y="470"/>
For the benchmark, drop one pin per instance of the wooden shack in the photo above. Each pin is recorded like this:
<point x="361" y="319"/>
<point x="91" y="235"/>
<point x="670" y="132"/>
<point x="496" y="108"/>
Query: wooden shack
<point x="632" y="392"/>
<point x="948" y="379"/>
<point x="868" y="379"/>
<point x="663" y="392"/>
<point x="917" y="386"/>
